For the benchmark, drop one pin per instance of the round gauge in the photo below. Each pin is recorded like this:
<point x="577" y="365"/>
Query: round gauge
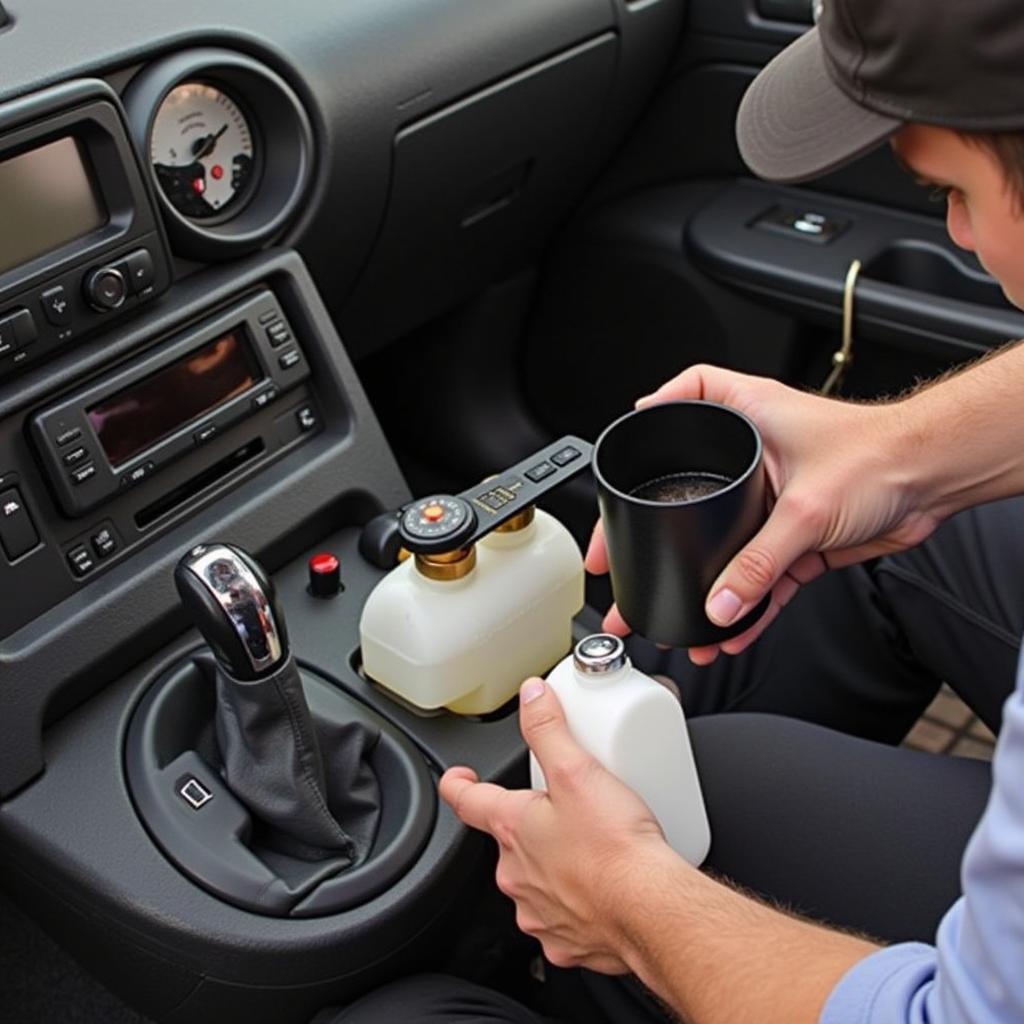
<point x="202" y="151"/>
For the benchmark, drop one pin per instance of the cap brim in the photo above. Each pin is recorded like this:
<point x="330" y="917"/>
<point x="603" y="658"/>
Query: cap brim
<point x="795" y="123"/>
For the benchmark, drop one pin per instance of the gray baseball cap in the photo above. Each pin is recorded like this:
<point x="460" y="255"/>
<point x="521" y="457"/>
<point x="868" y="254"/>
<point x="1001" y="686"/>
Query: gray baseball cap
<point x="870" y="66"/>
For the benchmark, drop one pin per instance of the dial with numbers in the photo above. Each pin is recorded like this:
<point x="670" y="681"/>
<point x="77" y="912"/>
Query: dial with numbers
<point x="202" y="151"/>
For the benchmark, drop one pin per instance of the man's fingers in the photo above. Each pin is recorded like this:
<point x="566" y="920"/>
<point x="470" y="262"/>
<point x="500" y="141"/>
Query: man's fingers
<point x="475" y="803"/>
<point x="703" y="656"/>
<point x="596" y="561"/>
<point x="544" y="728"/>
<point x="753" y="572"/>
<point x="615" y="623"/>
<point x="699" y="381"/>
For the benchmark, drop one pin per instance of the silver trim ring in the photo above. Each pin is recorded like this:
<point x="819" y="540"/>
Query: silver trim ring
<point x="600" y="653"/>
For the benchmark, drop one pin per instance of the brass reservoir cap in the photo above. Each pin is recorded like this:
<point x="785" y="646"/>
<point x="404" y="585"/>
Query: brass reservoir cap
<point x="520" y="521"/>
<point x="452" y="565"/>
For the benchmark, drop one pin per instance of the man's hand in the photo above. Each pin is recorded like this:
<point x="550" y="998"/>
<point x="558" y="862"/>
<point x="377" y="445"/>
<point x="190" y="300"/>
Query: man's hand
<point x="594" y="880"/>
<point x="571" y="858"/>
<point x="839" y="477"/>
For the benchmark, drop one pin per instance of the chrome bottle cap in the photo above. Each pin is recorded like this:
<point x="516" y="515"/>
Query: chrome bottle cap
<point x="600" y="653"/>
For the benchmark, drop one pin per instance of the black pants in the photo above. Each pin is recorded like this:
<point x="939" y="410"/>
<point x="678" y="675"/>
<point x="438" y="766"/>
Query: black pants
<point x="809" y="801"/>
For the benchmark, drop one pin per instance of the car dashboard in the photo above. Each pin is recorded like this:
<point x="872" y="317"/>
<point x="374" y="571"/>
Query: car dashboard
<point x="214" y="211"/>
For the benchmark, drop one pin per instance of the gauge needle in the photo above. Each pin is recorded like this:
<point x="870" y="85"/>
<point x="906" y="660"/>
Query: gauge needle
<point x="204" y="147"/>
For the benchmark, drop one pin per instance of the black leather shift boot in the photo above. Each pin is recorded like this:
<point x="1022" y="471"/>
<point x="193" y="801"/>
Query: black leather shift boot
<point x="310" y="785"/>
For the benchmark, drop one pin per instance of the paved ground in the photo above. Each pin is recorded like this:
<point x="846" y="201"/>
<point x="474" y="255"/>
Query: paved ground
<point x="949" y="727"/>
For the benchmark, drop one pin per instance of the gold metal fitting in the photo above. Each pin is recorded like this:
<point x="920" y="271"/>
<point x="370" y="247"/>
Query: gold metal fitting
<point x="452" y="565"/>
<point x="518" y="522"/>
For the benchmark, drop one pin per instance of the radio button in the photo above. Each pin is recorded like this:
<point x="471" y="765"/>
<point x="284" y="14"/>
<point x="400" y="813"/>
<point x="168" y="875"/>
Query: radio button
<point x="103" y="543"/>
<point x="264" y="398"/>
<point x="25" y="330"/>
<point x="278" y="334"/>
<point x="80" y="560"/>
<point x="8" y="339"/>
<point x="140" y="270"/>
<point x="205" y="433"/>
<point x="105" y="288"/>
<point x="289" y="359"/>
<point x="83" y="473"/>
<point x="138" y="474"/>
<point x="17" y="532"/>
<point x="56" y="306"/>
<point x="75" y="456"/>
<point x="67" y="436"/>
<point x="306" y="418"/>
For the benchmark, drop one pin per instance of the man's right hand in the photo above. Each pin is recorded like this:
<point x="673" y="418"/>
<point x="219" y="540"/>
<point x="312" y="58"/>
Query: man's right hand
<point x="840" y="486"/>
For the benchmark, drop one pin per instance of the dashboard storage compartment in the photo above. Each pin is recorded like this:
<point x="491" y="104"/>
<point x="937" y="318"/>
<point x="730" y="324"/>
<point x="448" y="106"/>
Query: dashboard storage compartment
<point x="172" y="767"/>
<point x="470" y="201"/>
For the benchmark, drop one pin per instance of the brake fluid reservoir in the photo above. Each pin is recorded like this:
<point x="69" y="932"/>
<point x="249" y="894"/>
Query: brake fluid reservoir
<point x="636" y="728"/>
<point x="465" y="629"/>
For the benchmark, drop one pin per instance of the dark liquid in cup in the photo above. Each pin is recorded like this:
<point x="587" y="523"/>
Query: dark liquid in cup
<point x="680" y="487"/>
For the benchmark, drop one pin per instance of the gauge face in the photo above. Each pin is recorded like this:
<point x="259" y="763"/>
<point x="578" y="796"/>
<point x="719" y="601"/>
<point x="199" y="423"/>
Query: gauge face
<point x="202" y="150"/>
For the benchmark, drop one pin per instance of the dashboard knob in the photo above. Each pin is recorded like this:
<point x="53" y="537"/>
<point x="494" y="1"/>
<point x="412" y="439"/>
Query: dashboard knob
<point x="324" y="575"/>
<point x="105" y="288"/>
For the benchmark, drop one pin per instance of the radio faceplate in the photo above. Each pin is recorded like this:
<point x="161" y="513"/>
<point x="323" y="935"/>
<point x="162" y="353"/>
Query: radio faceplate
<point x="82" y="241"/>
<point x="119" y="431"/>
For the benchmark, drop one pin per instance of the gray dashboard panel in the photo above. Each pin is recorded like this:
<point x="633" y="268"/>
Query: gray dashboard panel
<point x="364" y="68"/>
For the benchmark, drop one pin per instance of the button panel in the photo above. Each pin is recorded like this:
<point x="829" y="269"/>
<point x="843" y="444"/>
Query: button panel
<point x="805" y="225"/>
<point x="85" y="553"/>
<point x="61" y="309"/>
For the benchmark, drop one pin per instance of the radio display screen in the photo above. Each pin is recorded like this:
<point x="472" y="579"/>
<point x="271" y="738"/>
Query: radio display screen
<point x="47" y="199"/>
<point x="143" y="414"/>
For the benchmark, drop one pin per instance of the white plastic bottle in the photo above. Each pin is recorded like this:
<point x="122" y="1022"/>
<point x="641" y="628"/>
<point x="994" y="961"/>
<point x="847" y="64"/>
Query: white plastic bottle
<point x="465" y="633"/>
<point x="637" y="730"/>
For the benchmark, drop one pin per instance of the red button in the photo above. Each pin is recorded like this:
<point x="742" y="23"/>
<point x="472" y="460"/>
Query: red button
<point x="324" y="575"/>
<point x="324" y="563"/>
<point x="217" y="171"/>
<point x="433" y="513"/>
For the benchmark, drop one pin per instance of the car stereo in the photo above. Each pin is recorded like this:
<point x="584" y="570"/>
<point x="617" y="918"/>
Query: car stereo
<point x="81" y="242"/>
<point x="119" y="431"/>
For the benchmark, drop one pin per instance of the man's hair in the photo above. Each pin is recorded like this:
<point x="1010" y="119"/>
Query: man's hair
<point x="1008" y="150"/>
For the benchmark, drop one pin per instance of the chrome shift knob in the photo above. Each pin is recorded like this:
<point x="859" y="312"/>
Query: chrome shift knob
<point x="231" y="601"/>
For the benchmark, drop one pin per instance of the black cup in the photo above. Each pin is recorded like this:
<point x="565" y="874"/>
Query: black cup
<point x="665" y="554"/>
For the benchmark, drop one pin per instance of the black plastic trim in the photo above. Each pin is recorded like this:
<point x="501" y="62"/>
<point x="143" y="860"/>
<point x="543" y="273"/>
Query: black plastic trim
<point x="809" y="279"/>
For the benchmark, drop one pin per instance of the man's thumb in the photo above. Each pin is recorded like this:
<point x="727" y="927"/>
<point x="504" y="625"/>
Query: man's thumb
<point x="756" y="569"/>
<point x="544" y="728"/>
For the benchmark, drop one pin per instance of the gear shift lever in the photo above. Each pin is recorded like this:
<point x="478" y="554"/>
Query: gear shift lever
<point x="231" y="601"/>
<point x="266" y="734"/>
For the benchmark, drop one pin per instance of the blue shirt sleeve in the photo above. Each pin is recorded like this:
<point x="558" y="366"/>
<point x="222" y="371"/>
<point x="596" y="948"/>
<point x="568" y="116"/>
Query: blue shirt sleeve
<point x="974" y="974"/>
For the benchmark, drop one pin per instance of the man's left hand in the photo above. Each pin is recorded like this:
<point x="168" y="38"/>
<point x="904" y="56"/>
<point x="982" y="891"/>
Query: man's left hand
<point x="572" y="857"/>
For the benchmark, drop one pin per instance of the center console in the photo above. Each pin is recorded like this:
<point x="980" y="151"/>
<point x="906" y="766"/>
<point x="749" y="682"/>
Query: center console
<point x="224" y="409"/>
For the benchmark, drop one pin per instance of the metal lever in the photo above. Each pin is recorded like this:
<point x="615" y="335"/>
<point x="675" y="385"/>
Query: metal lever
<point x="231" y="601"/>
